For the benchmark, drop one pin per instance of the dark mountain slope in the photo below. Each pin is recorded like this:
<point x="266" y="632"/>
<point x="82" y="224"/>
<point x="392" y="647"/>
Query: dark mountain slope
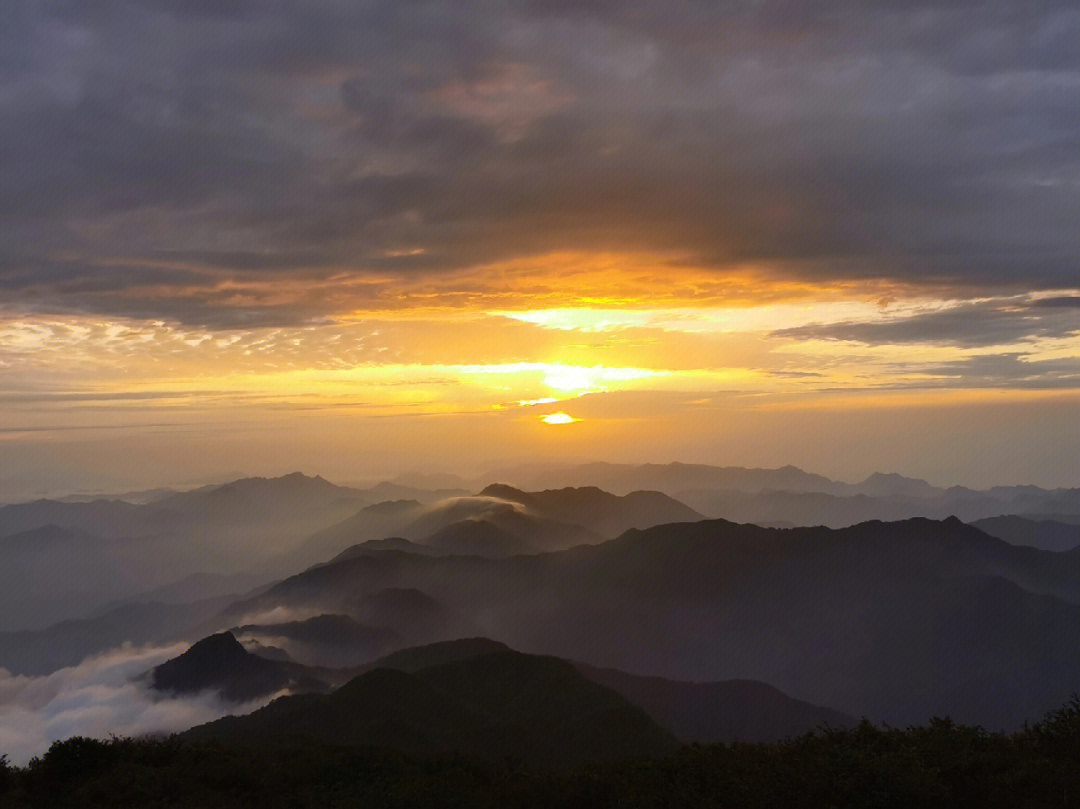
<point x="436" y="654"/>
<point x="477" y="538"/>
<point x="730" y="711"/>
<point x="539" y="710"/>
<point x="736" y="710"/>
<point x="1047" y="535"/>
<point x="325" y="640"/>
<point x="602" y="512"/>
<point x="219" y="662"/>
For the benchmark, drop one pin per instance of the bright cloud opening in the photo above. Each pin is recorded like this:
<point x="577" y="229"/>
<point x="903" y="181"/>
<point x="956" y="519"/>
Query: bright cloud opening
<point x="558" y="418"/>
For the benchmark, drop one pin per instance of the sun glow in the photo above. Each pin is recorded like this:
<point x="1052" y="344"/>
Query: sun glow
<point x="558" y="418"/>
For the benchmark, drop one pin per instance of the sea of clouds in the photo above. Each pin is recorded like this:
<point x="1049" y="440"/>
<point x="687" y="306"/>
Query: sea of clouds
<point x="102" y="696"/>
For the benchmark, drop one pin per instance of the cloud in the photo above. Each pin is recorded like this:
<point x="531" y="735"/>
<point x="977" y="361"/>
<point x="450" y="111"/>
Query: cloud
<point x="970" y="325"/>
<point x="1010" y="371"/>
<point x="181" y="160"/>
<point x="1063" y="302"/>
<point x="101" y="696"/>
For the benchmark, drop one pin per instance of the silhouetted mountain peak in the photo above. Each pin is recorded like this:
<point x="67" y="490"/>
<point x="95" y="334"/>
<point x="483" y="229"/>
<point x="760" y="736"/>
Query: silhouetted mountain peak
<point x="220" y="662"/>
<point x="219" y="652"/>
<point x="892" y="484"/>
<point x="504" y="492"/>
<point x="435" y="654"/>
<point x="477" y="537"/>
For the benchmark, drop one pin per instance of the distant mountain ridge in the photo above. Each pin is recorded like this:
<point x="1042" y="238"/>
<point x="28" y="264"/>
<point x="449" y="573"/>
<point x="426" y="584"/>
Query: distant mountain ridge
<point x="853" y="618"/>
<point x="130" y="548"/>
<point x="499" y="521"/>
<point x="677" y="478"/>
<point x="1046" y="534"/>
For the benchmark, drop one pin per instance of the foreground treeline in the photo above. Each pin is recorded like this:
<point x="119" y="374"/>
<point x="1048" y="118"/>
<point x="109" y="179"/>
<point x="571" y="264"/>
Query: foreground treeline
<point x="941" y="765"/>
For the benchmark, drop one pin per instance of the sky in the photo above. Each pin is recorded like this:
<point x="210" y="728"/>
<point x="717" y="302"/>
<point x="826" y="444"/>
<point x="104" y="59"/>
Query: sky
<point x="356" y="238"/>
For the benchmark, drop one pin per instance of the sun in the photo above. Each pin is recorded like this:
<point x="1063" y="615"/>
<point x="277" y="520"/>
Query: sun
<point x="558" y="418"/>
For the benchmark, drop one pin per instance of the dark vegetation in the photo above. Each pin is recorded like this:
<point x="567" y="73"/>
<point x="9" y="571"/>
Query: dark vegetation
<point x="939" y="765"/>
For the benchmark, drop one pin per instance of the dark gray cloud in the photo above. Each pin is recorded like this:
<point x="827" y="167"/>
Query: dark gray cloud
<point x="972" y="325"/>
<point x="1063" y="302"/>
<point x="922" y="142"/>
<point x="1010" y="370"/>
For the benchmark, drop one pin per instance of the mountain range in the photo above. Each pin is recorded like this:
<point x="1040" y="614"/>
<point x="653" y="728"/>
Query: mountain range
<point x="479" y="696"/>
<point x="898" y="621"/>
<point x="715" y="629"/>
<point x="72" y="558"/>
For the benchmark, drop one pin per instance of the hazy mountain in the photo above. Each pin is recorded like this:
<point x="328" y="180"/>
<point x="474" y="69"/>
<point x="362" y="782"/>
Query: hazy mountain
<point x="48" y="573"/>
<point x="432" y="481"/>
<point x="882" y="484"/>
<point x="1049" y="535"/>
<point x="477" y="538"/>
<point x="276" y="509"/>
<point x="325" y="640"/>
<point x="604" y="513"/>
<point x="474" y="525"/>
<point x="502" y="520"/>
<point x="668" y="478"/>
<point x="104" y="518"/>
<point x="42" y="651"/>
<point x="775" y="508"/>
<point x="199" y="586"/>
<point x="723" y="712"/>
<point x="139" y="497"/>
<point x="388" y="544"/>
<point x="789" y="495"/>
<point x="416" y="658"/>
<point x="391" y="490"/>
<point x="246" y="506"/>
<point x="836" y="511"/>
<point x="377" y="521"/>
<point x="220" y="663"/>
<point x="896" y="621"/>
<point x="413" y="616"/>
<point x="70" y="559"/>
<point x="538" y="710"/>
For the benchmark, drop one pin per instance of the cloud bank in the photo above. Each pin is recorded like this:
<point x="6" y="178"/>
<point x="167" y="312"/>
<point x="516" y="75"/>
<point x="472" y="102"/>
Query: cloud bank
<point x="281" y="163"/>
<point x="101" y="696"/>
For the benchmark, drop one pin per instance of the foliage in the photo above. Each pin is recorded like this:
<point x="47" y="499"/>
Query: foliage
<point x="866" y="767"/>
